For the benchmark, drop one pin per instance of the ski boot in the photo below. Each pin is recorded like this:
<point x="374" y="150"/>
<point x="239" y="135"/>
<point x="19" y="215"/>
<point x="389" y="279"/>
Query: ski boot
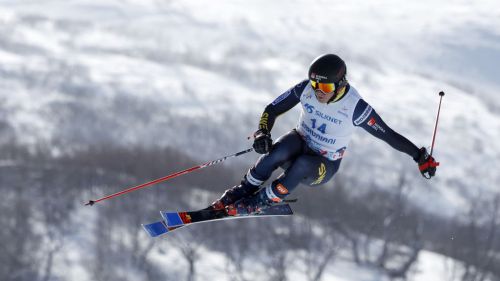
<point x="234" y="194"/>
<point x="253" y="204"/>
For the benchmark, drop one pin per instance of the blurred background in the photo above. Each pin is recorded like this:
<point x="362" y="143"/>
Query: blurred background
<point x="97" y="96"/>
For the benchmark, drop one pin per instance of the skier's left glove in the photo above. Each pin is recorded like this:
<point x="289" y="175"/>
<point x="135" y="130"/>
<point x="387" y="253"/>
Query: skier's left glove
<point x="426" y="164"/>
<point x="262" y="142"/>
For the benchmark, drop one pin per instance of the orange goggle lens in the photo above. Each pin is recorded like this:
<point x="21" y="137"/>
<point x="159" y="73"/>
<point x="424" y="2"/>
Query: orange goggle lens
<point x="325" y="87"/>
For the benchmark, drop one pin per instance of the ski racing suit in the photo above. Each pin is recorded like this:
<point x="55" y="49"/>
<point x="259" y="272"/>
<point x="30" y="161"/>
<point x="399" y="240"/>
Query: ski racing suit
<point x="311" y="153"/>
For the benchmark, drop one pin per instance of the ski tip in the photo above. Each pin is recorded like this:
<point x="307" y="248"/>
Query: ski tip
<point x="155" y="229"/>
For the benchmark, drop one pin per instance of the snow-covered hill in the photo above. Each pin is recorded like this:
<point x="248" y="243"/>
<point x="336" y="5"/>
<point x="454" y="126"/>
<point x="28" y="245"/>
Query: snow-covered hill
<point x="194" y="74"/>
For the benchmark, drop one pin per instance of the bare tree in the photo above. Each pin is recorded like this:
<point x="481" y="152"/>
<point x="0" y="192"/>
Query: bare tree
<point x="189" y="242"/>
<point x="239" y="248"/>
<point x="391" y="240"/>
<point x="20" y="243"/>
<point x="321" y="243"/>
<point x="476" y="248"/>
<point x="277" y="242"/>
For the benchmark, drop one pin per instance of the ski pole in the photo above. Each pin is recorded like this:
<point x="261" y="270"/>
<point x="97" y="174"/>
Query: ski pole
<point x="441" y="94"/>
<point x="183" y="172"/>
<point x="429" y="163"/>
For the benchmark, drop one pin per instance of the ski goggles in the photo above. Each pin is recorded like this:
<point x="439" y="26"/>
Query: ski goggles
<point x="324" y="87"/>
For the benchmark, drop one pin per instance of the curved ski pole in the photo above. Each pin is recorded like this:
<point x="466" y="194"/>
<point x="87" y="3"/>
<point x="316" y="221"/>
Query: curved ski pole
<point x="183" y="172"/>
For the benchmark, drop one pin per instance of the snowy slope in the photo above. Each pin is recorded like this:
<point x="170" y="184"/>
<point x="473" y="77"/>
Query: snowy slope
<point x="196" y="73"/>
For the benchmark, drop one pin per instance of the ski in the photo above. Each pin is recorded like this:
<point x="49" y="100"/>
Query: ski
<point x="157" y="228"/>
<point x="175" y="220"/>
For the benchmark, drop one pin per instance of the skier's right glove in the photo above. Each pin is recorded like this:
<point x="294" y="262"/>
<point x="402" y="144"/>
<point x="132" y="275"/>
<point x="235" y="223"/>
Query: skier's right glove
<point x="262" y="141"/>
<point x="426" y="164"/>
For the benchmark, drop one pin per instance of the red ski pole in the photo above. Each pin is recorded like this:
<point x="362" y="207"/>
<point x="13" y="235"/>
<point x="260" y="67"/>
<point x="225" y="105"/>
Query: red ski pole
<point x="183" y="172"/>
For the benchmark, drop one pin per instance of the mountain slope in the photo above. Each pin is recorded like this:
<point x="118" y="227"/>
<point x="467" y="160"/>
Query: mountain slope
<point x="77" y="73"/>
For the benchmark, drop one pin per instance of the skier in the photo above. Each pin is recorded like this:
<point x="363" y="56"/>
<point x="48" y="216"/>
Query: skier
<point x="312" y="152"/>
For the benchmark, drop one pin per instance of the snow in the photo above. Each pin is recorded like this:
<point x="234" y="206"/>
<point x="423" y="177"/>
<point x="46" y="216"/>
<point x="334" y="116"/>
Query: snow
<point x="432" y="267"/>
<point x="77" y="254"/>
<point x="72" y="260"/>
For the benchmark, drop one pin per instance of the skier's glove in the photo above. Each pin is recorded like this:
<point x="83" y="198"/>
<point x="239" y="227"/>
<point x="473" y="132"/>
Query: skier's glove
<point x="426" y="164"/>
<point x="262" y="142"/>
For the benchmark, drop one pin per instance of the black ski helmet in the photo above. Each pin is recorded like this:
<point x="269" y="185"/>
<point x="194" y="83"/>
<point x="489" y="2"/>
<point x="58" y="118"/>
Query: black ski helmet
<point x="328" y="68"/>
